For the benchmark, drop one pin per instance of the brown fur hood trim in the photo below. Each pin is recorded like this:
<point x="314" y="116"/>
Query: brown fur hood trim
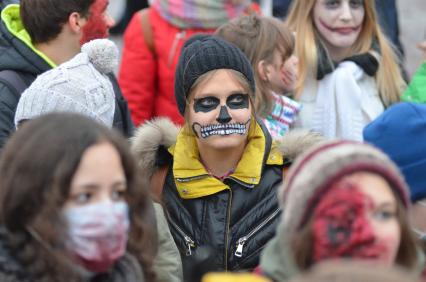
<point x="163" y="132"/>
<point x="297" y="141"/>
<point x="147" y="140"/>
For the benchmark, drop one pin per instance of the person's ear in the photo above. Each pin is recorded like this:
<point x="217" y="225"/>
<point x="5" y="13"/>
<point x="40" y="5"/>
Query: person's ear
<point x="262" y="70"/>
<point x="76" y="22"/>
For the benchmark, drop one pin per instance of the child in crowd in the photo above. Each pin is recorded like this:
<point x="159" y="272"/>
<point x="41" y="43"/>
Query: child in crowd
<point x="72" y="205"/>
<point x="269" y="45"/>
<point x="348" y="72"/>
<point x="219" y="176"/>
<point x="80" y="85"/>
<point x="341" y="200"/>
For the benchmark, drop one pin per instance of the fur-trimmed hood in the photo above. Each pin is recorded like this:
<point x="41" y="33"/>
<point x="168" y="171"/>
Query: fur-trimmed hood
<point x="147" y="140"/>
<point x="160" y="133"/>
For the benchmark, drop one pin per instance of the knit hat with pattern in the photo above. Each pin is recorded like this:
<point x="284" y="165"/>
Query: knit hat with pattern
<point x="79" y="85"/>
<point x="315" y="171"/>
<point x="201" y="54"/>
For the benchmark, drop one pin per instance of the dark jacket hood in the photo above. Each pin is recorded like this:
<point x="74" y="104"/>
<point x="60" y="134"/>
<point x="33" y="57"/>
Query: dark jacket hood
<point x="16" y="50"/>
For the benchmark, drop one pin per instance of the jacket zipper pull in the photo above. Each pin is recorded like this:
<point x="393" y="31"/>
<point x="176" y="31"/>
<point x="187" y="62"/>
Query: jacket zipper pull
<point x="190" y="244"/>
<point x="239" y="251"/>
<point x="179" y="36"/>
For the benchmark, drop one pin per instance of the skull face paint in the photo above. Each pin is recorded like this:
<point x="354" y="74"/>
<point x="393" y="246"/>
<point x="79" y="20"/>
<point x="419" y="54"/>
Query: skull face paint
<point x="220" y="129"/>
<point x="220" y="111"/>
<point x="356" y="218"/>
<point x="99" y="22"/>
<point x="224" y="116"/>
<point x="208" y="104"/>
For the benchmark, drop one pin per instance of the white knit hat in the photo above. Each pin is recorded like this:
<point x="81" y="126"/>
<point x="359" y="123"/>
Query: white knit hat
<point x="79" y="85"/>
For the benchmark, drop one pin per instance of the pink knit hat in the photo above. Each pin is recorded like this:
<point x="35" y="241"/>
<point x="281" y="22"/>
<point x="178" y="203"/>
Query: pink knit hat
<point x="315" y="171"/>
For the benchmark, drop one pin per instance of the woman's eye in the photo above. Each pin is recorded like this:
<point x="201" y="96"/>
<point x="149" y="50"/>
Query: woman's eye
<point x="83" y="198"/>
<point x="117" y="195"/>
<point x="384" y="215"/>
<point x="237" y="101"/>
<point x="206" y="104"/>
<point x="332" y="4"/>
<point x="356" y="3"/>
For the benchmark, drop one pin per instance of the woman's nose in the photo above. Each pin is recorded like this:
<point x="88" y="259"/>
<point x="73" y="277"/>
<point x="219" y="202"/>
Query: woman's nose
<point x="110" y="22"/>
<point x="224" y="116"/>
<point x="345" y="12"/>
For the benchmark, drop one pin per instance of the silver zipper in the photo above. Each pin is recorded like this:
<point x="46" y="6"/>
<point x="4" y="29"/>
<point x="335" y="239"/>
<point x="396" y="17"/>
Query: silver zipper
<point x="179" y="36"/>
<point x="190" y="244"/>
<point x="243" y="240"/>
<point x="242" y="183"/>
<point x="191" y="178"/>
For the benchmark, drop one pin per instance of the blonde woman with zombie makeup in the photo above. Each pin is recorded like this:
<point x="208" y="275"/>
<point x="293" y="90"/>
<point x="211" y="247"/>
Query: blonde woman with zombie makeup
<point x="222" y="169"/>
<point x="348" y="72"/>
<point x="342" y="200"/>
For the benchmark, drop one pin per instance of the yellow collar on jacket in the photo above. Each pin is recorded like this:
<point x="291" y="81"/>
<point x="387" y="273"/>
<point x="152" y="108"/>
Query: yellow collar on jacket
<point x="193" y="181"/>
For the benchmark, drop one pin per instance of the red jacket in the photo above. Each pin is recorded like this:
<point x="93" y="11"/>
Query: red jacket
<point x="147" y="81"/>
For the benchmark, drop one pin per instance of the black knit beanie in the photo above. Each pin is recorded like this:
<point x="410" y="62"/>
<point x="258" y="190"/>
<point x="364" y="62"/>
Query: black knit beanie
<point x="203" y="53"/>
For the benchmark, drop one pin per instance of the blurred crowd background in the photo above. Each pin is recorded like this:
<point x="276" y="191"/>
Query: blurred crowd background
<point x="412" y="24"/>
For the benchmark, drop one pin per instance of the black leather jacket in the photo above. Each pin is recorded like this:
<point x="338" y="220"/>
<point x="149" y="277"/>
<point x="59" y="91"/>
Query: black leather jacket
<point x="236" y="223"/>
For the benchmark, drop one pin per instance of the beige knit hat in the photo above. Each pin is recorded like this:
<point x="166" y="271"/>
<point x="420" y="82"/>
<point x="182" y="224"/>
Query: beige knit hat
<point x="317" y="169"/>
<point x="79" y="85"/>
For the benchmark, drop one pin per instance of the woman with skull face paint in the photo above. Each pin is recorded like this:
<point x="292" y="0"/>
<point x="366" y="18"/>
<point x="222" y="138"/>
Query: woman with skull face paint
<point x="221" y="171"/>
<point x="348" y="72"/>
<point x="72" y="207"/>
<point x="342" y="200"/>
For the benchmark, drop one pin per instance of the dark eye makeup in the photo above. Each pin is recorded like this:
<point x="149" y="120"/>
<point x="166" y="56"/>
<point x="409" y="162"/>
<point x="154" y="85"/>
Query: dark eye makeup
<point x="206" y="104"/>
<point x="238" y="101"/>
<point x="354" y="4"/>
<point x="209" y="103"/>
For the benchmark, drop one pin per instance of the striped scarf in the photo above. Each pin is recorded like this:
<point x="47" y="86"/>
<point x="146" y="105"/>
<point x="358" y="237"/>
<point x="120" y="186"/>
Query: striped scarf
<point x="206" y="14"/>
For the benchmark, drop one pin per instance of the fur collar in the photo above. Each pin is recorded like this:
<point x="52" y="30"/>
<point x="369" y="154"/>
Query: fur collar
<point x="153" y="137"/>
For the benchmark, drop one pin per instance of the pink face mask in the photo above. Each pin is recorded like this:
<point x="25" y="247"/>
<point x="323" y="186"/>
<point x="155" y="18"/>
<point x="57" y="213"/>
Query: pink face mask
<point x="341" y="228"/>
<point x="97" y="234"/>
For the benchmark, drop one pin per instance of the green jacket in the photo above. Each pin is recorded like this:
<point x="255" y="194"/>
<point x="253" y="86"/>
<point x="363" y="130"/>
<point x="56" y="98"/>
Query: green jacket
<point x="416" y="91"/>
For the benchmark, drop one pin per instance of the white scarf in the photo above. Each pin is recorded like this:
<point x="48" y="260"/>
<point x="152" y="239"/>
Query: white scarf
<point x="342" y="107"/>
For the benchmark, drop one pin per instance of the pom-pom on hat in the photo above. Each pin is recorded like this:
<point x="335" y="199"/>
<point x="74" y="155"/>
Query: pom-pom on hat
<point x="400" y="132"/>
<point x="79" y="85"/>
<point x="201" y="54"/>
<point x="315" y="171"/>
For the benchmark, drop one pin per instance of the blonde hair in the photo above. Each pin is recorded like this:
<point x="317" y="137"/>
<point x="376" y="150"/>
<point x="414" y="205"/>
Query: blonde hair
<point x="259" y="37"/>
<point x="389" y="81"/>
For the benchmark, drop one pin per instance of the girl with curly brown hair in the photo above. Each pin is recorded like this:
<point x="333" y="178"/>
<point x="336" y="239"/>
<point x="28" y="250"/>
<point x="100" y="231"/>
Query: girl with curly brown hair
<point x="71" y="205"/>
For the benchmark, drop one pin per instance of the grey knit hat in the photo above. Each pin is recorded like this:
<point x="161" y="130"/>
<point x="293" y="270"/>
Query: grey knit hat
<point x="319" y="168"/>
<point x="201" y="54"/>
<point x="79" y="85"/>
